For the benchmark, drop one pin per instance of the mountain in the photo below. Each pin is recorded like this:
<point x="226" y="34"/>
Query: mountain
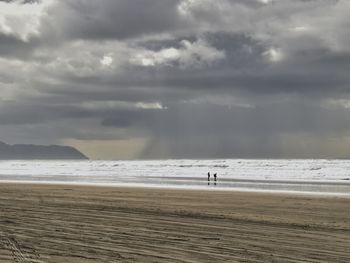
<point x="39" y="152"/>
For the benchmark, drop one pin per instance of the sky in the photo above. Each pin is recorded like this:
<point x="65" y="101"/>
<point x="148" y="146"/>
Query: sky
<point x="150" y="79"/>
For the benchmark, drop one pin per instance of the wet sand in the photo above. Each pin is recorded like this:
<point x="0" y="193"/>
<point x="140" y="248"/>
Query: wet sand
<point x="57" y="223"/>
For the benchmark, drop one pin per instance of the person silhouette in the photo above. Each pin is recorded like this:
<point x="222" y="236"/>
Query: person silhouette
<point x="208" y="178"/>
<point x="215" y="177"/>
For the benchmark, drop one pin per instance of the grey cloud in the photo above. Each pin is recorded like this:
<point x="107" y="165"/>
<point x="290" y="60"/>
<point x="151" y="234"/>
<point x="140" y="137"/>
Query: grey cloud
<point x="191" y="119"/>
<point x="244" y="69"/>
<point x="279" y="75"/>
<point x="13" y="47"/>
<point x="239" y="132"/>
<point x="114" y="19"/>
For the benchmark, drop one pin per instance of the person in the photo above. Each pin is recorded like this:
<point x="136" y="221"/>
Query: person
<point x="215" y="179"/>
<point x="208" y="178"/>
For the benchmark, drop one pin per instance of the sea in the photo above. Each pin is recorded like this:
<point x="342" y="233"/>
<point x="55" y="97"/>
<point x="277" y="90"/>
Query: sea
<point x="299" y="176"/>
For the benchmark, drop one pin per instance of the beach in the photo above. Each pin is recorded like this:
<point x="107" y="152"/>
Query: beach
<point x="68" y="223"/>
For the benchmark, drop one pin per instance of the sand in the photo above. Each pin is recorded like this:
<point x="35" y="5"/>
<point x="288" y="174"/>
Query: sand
<point x="53" y="223"/>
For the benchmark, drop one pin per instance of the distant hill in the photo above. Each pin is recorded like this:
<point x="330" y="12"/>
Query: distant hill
<point x="39" y="152"/>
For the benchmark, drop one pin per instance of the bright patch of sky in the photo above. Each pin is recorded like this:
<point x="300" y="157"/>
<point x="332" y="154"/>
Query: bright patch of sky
<point x="22" y="19"/>
<point x="274" y="55"/>
<point x="106" y="60"/>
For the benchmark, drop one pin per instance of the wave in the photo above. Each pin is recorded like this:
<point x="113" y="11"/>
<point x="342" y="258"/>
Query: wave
<point x="330" y="175"/>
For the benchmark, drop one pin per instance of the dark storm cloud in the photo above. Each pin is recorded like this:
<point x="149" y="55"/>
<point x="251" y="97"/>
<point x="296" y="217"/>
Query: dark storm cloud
<point x="293" y="116"/>
<point x="13" y="47"/>
<point x="23" y="1"/>
<point x="14" y="114"/>
<point x="115" y="19"/>
<point x="244" y="70"/>
<point x="196" y="78"/>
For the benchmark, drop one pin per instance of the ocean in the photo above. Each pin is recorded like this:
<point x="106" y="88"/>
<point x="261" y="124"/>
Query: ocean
<point x="324" y="177"/>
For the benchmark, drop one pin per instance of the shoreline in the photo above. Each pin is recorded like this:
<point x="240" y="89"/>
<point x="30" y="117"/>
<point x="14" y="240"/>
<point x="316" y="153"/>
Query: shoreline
<point x="85" y="224"/>
<point x="211" y="188"/>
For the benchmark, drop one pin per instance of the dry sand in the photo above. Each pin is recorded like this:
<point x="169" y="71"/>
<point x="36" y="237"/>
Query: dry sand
<point x="52" y="223"/>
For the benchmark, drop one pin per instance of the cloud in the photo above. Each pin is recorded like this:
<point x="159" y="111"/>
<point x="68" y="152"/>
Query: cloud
<point x="22" y="19"/>
<point x="12" y="47"/>
<point x="114" y="19"/>
<point x="106" y="60"/>
<point x="186" y="77"/>
<point x="274" y="55"/>
<point x="188" y="55"/>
